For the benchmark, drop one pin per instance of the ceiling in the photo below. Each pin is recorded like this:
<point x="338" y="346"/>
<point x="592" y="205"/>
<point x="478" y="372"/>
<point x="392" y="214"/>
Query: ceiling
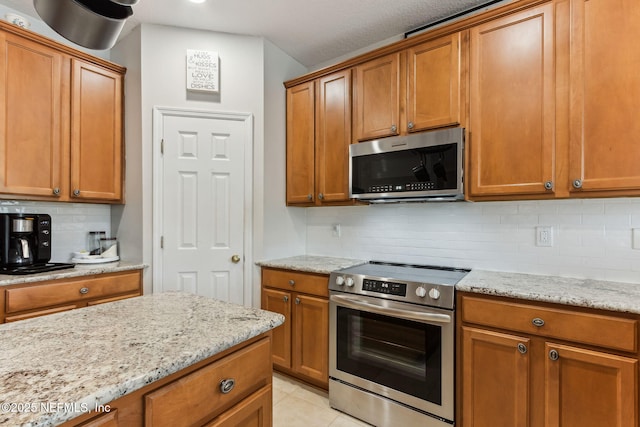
<point x="311" y="31"/>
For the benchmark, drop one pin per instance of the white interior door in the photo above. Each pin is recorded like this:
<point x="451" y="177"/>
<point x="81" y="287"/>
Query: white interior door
<point x="203" y="191"/>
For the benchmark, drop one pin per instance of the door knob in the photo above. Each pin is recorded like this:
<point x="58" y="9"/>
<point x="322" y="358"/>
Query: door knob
<point x="235" y="259"/>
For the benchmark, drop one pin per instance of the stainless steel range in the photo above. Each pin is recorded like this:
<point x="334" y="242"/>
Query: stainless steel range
<point x="391" y="343"/>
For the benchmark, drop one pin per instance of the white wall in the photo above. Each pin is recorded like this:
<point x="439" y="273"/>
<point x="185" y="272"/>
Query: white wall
<point x="127" y="219"/>
<point x="592" y="238"/>
<point x="155" y="58"/>
<point x="279" y="231"/>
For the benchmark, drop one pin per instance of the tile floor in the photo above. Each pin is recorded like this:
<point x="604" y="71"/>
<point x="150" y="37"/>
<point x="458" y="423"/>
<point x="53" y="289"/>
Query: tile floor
<point x="298" y="405"/>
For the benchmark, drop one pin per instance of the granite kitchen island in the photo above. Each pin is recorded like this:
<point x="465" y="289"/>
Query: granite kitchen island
<point x="163" y="359"/>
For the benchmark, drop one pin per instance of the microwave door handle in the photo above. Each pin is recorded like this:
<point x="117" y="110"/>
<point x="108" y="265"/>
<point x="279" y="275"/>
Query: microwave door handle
<point x="358" y="304"/>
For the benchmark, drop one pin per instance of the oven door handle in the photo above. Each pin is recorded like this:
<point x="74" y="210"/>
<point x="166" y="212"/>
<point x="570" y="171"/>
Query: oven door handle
<point x="359" y="304"/>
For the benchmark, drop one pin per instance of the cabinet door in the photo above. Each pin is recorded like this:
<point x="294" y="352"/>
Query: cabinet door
<point x="495" y="379"/>
<point x="311" y="337"/>
<point x="107" y="419"/>
<point x="333" y="136"/>
<point x="605" y="95"/>
<point x="96" y="133"/>
<point x="377" y="102"/>
<point x="589" y="389"/>
<point x="254" y="411"/>
<point x="433" y="98"/>
<point x="300" y="143"/>
<point x="30" y="121"/>
<point x="512" y="104"/>
<point x="279" y="302"/>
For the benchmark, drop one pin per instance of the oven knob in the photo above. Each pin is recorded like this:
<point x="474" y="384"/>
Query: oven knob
<point x="349" y="281"/>
<point x="434" y="293"/>
<point x="421" y="292"/>
<point x="339" y="280"/>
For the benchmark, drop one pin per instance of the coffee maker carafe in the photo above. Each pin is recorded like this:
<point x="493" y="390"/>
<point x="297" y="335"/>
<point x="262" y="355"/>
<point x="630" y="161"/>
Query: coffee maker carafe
<point x="21" y="242"/>
<point x="25" y="239"/>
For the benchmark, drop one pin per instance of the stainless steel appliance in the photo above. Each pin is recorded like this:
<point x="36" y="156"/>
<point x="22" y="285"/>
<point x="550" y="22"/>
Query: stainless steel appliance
<point x="25" y="244"/>
<point x="425" y="166"/>
<point x="391" y="343"/>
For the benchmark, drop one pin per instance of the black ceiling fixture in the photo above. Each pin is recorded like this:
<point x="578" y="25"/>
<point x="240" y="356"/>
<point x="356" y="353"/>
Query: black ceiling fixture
<point x="94" y="24"/>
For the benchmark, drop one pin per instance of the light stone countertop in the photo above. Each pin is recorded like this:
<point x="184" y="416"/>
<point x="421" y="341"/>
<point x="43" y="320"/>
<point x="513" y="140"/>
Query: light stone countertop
<point x="614" y="296"/>
<point x="599" y="294"/>
<point x="78" y="271"/>
<point x="94" y="355"/>
<point x="312" y="263"/>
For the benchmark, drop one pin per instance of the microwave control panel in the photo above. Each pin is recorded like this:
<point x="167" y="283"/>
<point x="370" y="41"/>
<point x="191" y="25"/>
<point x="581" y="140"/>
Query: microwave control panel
<point x="389" y="288"/>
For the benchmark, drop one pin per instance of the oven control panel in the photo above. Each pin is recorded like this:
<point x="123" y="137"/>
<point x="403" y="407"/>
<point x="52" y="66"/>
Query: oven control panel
<point x="389" y="288"/>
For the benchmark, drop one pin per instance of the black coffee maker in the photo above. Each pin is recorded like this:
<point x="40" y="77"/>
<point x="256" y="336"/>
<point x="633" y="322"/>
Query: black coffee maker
<point x="25" y="244"/>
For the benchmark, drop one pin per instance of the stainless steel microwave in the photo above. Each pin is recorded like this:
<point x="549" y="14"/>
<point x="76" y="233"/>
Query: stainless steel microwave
<point x="422" y="167"/>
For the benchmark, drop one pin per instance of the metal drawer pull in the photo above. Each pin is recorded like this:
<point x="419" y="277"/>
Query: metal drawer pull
<point x="285" y="299"/>
<point x="84" y="291"/>
<point x="538" y="322"/>
<point x="522" y="348"/>
<point x="227" y="385"/>
<point x="292" y="282"/>
<point x="553" y="355"/>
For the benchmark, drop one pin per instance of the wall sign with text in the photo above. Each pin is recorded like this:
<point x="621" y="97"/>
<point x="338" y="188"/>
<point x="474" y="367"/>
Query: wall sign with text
<point x="202" y="71"/>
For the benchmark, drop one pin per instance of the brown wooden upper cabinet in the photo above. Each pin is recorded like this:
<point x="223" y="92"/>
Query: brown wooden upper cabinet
<point x="604" y="97"/>
<point x="96" y="132"/>
<point x="512" y="104"/>
<point x="61" y="122"/>
<point x="318" y="138"/>
<point x="423" y="80"/>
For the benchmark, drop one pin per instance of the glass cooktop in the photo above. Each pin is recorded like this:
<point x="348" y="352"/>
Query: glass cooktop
<point x="35" y="268"/>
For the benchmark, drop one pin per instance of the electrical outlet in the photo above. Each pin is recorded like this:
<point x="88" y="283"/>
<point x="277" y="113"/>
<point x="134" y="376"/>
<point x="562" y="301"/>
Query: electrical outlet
<point x="544" y="236"/>
<point x="336" y="230"/>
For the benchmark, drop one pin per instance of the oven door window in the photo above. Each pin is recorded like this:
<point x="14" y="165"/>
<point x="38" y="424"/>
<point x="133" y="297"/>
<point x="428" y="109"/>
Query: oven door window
<point x="396" y="353"/>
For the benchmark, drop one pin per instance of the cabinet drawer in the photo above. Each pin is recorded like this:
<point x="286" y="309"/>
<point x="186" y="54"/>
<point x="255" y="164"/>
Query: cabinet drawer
<point x="67" y="291"/>
<point x="308" y="283"/>
<point x="201" y="392"/>
<point x="587" y="328"/>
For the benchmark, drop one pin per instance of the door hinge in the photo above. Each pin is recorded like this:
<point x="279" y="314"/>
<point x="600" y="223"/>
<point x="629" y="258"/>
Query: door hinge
<point x="162" y="146"/>
<point x="161" y="242"/>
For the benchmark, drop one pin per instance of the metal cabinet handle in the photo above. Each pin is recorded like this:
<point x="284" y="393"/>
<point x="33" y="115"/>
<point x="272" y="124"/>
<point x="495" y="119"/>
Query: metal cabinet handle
<point x="285" y="299"/>
<point x="522" y="348"/>
<point x="394" y="128"/>
<point x="320" y="196"/>
<point x="548" y="185"/>
<point x="297" y="300"/>
<point x="309" y="196"/>
<point x="577" y="183"/>
<point x="76" y="192"/>
<point x="292" y="282"/>
<point x="410" y="125"/>
<point x="227" y="385"/>
<point x="235" y="259"/>
<point x="56" y="191"/>
<point x="537" y="322"/>
<point x="84" y="291"/>
<point x="553" y="355"/>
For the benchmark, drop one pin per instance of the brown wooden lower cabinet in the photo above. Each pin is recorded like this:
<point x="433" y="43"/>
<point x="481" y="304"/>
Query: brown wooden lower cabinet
<point x="301" y="344"/>
<point x="24" y="301"/>
<point x="195" y="396"/>
<point x="553" y="375"/>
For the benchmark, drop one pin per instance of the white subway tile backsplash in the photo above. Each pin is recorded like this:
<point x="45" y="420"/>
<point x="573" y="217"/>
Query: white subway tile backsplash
<point x="592" y="238"/>
<point x="71" y="222"/>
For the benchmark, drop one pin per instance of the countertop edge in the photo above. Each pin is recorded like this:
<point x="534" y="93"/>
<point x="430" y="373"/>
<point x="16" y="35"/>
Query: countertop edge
<point x="77" y="271"/>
